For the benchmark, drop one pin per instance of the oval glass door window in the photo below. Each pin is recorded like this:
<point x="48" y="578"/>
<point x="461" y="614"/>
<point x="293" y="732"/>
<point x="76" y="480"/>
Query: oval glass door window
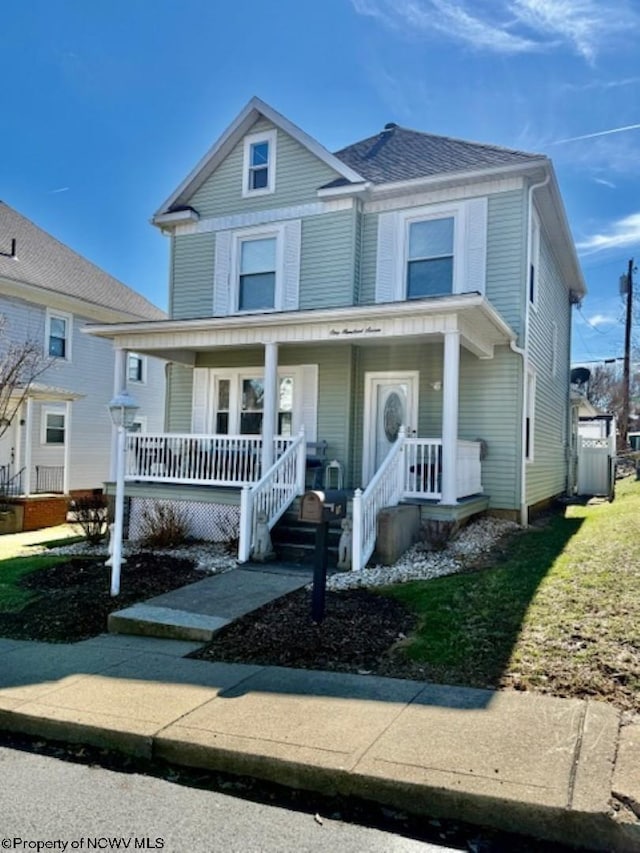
<point x="393" y="416"/>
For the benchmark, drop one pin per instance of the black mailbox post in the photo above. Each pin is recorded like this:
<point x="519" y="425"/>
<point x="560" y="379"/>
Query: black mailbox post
<point x="321" y="508"/>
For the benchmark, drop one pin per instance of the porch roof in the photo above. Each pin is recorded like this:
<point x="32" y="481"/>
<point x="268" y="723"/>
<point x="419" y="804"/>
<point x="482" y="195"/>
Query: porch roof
<point x="481" y="328"/>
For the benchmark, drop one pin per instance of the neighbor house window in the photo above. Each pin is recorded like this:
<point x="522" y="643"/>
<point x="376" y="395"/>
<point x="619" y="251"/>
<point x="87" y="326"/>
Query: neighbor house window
<point x="259" y="163"/>
<point x="257" y="274"/>
<point x="53" y="428"/>
<point x="58" y="335"/>
<point x="135" y="368"/>
<point x="430" y="258"/>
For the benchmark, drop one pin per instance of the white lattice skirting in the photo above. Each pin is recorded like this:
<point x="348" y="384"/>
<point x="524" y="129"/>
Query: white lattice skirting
<point x="207" y="521"/>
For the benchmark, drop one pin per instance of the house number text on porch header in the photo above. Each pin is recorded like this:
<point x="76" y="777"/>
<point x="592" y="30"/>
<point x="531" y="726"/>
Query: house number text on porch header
<point x="369" y="330"/>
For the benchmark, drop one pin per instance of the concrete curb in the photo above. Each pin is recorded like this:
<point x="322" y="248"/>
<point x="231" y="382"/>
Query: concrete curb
<point x="518" y="762"/>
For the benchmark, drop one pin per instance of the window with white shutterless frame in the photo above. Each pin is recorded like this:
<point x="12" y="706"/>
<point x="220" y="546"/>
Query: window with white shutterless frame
<point x="53" y="427"/>
<point x="58" y="329"/>
<point x="259" y="163"/>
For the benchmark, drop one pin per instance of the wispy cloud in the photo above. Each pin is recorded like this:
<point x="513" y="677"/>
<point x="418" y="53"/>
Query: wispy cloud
<point x="602" y="320"/>
<point x="605" y="183"/>
<point x="509" y="26"/>
<point x="622" y="234"/>
<point x="608" y="132"/>
<point x="59" y="190"/>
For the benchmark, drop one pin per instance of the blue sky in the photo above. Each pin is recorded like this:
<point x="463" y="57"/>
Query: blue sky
<point x="107" y="105"/>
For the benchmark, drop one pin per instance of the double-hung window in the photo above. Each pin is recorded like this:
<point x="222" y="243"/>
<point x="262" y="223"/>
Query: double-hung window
<point x="259" y="163"/>
<point x="53" y="427"/>
<point x="58" y="335"/>
<point x="430" y="258"/>
<point x="257" y="274"/>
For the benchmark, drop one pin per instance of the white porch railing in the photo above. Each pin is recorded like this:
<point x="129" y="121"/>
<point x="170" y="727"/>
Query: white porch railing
<point x="212" y="460"/>
<point x="385" y="489"/>
<point x="423" y="468"/>
<point x="271" y="495"/>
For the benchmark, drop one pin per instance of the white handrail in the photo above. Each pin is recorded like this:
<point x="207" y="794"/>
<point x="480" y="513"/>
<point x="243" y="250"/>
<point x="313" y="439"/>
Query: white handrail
<point x="272" y="494"/>
<point x="385" y="489"/>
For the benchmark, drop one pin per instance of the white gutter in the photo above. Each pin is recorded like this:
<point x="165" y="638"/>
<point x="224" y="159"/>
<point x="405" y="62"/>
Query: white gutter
<point x="524" y="353"/>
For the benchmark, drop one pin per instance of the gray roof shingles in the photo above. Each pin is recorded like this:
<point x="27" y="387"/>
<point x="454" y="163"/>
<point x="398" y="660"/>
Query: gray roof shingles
<point x="45" y="262"/>
<point x="400" y="154"/>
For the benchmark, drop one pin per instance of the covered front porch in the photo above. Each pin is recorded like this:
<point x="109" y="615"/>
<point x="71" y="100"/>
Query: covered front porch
<point x="254" y="396"/>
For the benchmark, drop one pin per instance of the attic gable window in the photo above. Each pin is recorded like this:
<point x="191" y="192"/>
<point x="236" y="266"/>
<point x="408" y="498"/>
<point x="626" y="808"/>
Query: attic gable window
<point x="259" y="166"/>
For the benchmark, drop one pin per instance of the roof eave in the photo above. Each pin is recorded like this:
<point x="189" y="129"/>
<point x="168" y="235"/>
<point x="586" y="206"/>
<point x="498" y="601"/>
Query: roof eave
<point x="391" y="188"/>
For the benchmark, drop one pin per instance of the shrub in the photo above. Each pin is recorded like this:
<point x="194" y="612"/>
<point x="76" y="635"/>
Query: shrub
<point x="438" y="533"/>
<point x="163" y="525"/>
<point x="91" y="515"/>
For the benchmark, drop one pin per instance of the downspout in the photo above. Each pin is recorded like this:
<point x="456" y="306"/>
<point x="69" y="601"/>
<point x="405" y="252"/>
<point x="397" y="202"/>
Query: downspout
<point x="523" y="352"/>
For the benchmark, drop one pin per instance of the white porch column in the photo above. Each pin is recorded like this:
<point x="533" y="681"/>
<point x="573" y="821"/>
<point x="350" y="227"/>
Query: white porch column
<point x="67" y="447"/>
<point x="28" y="444"/>
<point x="269" y="404"/>
<point x="451" y="382"/>
<point x="119" y="384"/>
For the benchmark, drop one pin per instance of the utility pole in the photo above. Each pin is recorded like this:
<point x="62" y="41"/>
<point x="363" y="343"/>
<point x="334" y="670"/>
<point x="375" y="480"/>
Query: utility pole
<point x="624" y="424"/>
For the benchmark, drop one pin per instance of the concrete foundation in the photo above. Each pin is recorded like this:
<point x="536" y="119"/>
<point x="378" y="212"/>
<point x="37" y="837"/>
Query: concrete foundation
<point x="398" y="529"/>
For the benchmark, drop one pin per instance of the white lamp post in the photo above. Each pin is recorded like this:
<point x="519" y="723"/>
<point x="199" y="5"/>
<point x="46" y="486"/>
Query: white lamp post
<point x="123" y="410"/>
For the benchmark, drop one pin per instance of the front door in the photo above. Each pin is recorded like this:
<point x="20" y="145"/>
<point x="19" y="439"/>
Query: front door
<point x="391" y="401"/>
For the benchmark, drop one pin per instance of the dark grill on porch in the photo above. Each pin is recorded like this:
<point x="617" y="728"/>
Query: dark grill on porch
<point x="49" y="479"/>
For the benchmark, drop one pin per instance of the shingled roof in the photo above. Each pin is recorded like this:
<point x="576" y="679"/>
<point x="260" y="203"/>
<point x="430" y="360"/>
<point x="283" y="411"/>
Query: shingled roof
<point x="399" y="154"/>
<point x="44" y="262"/>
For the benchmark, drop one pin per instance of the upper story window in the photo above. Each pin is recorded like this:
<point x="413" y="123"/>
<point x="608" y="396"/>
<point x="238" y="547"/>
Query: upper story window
<point x="432" y="251"/>
<point x="257" y="274"/>
<point x="58" y="335"/>
<point x="430" y="258"/>
<point x="135" y="368"/>
<point x="259" y="166"/>
<point x="257" y="268"/>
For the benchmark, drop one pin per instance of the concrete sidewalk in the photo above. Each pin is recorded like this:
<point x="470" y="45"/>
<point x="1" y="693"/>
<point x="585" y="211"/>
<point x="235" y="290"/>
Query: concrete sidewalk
<point x="24" y="544"/>
<point x="552" y="768"/>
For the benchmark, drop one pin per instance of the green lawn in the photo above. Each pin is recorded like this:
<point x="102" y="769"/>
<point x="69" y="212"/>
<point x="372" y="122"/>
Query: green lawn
<point x="12" y="596"/>
<point x="558" y="612"/>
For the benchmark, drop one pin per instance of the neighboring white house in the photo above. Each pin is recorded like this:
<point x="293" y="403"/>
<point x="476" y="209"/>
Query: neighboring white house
<point x="59" y="440"/>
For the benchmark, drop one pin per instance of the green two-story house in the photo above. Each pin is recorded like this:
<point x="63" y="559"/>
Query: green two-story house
<point x="405" y="300"/>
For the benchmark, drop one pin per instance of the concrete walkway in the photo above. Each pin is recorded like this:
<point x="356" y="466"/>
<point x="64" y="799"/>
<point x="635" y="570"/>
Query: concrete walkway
<point x="22" y="544"/>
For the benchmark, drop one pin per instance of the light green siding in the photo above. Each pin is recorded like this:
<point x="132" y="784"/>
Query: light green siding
<point x="489" y="405"/>
<point x="547" y="473"/>
<point x="299" y="174"/>
<point x="328" y="260"/>
<point x="506" y="255"/>
<point x="179" y="384"/>
<point x="191" y="293"/>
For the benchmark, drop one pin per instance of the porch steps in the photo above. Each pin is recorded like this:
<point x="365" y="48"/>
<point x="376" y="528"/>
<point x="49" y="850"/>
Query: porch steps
<point x="294" y="541"/>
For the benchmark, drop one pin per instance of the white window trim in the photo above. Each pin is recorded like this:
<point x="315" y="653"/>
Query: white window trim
<point x="269" y="136"/>
<point x="534" y="260"/>
<point x="142" y="420"/>
<point x="236" y="376"/>
<point x="68" y="318"/>
<point x="422" y="214"/>
<point x="263" y="233"/>
<point x="143" y="369"/>
<point x="43" y="427"/>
